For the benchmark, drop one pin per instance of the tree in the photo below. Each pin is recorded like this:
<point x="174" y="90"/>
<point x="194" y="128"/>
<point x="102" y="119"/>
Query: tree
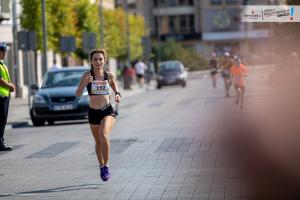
<point x="61" y="20"/>
<point x="170" y="50"/>
<point x="114" y="33"/>
<point x="137" y="31"/>
<point x="87" y="20"/>
<point x="31" y="18"/>
<point x="72" y="18"/>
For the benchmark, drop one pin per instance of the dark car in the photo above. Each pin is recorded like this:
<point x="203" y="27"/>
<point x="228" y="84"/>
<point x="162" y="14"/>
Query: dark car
<point x="56" y="99"/>
<point x="171" y="73"/>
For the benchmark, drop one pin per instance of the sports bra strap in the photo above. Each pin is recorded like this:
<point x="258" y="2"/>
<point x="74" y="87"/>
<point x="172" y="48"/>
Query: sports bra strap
<point x="105" y="75"/>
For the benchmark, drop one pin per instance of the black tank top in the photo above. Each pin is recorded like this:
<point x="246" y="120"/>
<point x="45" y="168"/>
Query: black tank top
<point x="98" y="87"/>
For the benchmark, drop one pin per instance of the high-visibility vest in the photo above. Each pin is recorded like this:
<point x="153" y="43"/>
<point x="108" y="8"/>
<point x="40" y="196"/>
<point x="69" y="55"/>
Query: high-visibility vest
<point x="4" y="91"/>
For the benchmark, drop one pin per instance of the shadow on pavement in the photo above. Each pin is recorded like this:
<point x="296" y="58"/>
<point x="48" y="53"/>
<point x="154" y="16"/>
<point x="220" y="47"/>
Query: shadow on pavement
<point x="53" y="190"/>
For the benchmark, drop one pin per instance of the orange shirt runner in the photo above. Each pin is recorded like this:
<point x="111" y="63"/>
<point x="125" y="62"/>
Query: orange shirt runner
<point x="238" y="74"/>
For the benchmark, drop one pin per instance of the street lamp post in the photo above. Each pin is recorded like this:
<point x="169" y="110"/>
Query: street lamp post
<point x="15" y="48"/>
<point x="127" y="32"/>
<point x="44" y="66"/>
<point x="101" y="24"/>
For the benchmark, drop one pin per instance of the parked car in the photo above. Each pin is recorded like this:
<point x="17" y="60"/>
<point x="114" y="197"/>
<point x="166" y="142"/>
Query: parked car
<point x="56" y="99"/>
<point x="171" y="73"/>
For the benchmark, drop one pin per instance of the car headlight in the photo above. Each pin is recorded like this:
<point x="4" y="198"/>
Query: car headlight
<point x="84" y="97"/>
<point x="39" y="99"/>
<point x="180" y="76"/>
<point x="160" y="77"/>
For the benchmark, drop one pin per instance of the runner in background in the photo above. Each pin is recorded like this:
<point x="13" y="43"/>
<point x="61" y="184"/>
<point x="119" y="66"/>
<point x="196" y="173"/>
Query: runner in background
<point x="213" y="64"/>
<point x="239" y="71"/>
<point x="226" y="73"/>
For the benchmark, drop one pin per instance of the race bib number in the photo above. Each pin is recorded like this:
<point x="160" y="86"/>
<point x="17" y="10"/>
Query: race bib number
<point x="100" y="87"/>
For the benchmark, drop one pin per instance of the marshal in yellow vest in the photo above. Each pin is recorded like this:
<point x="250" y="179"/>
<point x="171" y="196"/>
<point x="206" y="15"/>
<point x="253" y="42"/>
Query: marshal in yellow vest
<point x="4" y="91"/>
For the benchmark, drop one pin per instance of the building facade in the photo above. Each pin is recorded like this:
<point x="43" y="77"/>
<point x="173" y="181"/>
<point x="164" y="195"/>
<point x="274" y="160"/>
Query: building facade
<point x="223" y="30"/>
<point x="212" y="25"/>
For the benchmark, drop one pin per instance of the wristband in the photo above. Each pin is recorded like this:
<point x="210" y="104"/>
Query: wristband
<point x="118" y="94"/>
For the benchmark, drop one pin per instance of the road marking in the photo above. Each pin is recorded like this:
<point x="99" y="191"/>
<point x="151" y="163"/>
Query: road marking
<point x="119" y="146"/>
<point x="175" y="145"/>
<point x="53" y="150"/>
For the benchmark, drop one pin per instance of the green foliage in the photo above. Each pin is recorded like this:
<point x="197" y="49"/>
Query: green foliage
<point x="87" y="20"/>
<point x="171" y="50"/>
<point x="72" y="18"/>
<point x="115" y="32"/>
<point x="61" y="20"/>
<point x="116" y="35"/>
<point x="31" y="18"/>
<point x="137" y="31"/>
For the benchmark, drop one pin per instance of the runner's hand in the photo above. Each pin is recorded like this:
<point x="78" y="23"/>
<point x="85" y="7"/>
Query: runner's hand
<point x="117" y="98"/>
<point x="88" y="80"/>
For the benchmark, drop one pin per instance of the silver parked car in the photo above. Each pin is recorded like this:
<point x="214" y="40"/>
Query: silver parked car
<point x="171" y="73"/>
<point x="56" y="99"/>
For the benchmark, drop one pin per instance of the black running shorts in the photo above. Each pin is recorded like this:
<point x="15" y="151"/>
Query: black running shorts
<point x="96" y="115"/>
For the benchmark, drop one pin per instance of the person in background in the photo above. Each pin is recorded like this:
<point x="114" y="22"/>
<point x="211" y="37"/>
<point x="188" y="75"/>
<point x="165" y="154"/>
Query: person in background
<point x="6" y="87"/>
<point x="55" y="65"/>
<point x="149" y="74"/>
<point x="213" y="64"/>
<point x="239" y="71"/>
<point x="140" y="68"/>
<point x="226" y="65"/>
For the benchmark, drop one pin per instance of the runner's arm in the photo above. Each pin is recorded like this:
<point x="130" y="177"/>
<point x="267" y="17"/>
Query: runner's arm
<point x="114" y="87"/>
<point x="83" y="82"/>
<point x="112" y="82"/>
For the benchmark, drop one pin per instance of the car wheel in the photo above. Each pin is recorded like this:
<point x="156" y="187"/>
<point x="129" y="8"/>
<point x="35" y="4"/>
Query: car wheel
<point x="50" y="121"/>
<point x="36" y="121"/>
<point x="158" y="86"/>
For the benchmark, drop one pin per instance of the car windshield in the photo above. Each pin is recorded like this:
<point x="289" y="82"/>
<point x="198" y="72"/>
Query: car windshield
<point x="170" y="66"/>
<point x="62" y="78"/>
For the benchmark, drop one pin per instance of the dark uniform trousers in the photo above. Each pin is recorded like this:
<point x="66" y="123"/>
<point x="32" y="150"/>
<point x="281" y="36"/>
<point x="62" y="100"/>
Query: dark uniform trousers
<point x="4" y="104"/>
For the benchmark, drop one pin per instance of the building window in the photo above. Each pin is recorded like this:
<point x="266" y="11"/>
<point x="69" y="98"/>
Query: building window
<point x="231" y="2"/>
<point x="132" y="6"/>
<point x="172" y="3"/>
<point x="4" y="6"/>
<point x="216" y="2"/>
<point x="186" y="2"/>
<point x="160" y="3"/>
<point x="172" y="24"/>
<point x="191" y="23"/>
<point x="181" y="24"/>
<point x="156" y="25"/>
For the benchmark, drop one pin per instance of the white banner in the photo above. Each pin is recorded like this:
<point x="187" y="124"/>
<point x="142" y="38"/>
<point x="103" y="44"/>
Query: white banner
<point x="280" y="13"/>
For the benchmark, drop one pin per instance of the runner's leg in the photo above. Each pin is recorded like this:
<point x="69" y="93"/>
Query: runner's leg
<point x="106" y="127"/>
<point x="96" y="133"/>
<point x="242" y="96"/>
